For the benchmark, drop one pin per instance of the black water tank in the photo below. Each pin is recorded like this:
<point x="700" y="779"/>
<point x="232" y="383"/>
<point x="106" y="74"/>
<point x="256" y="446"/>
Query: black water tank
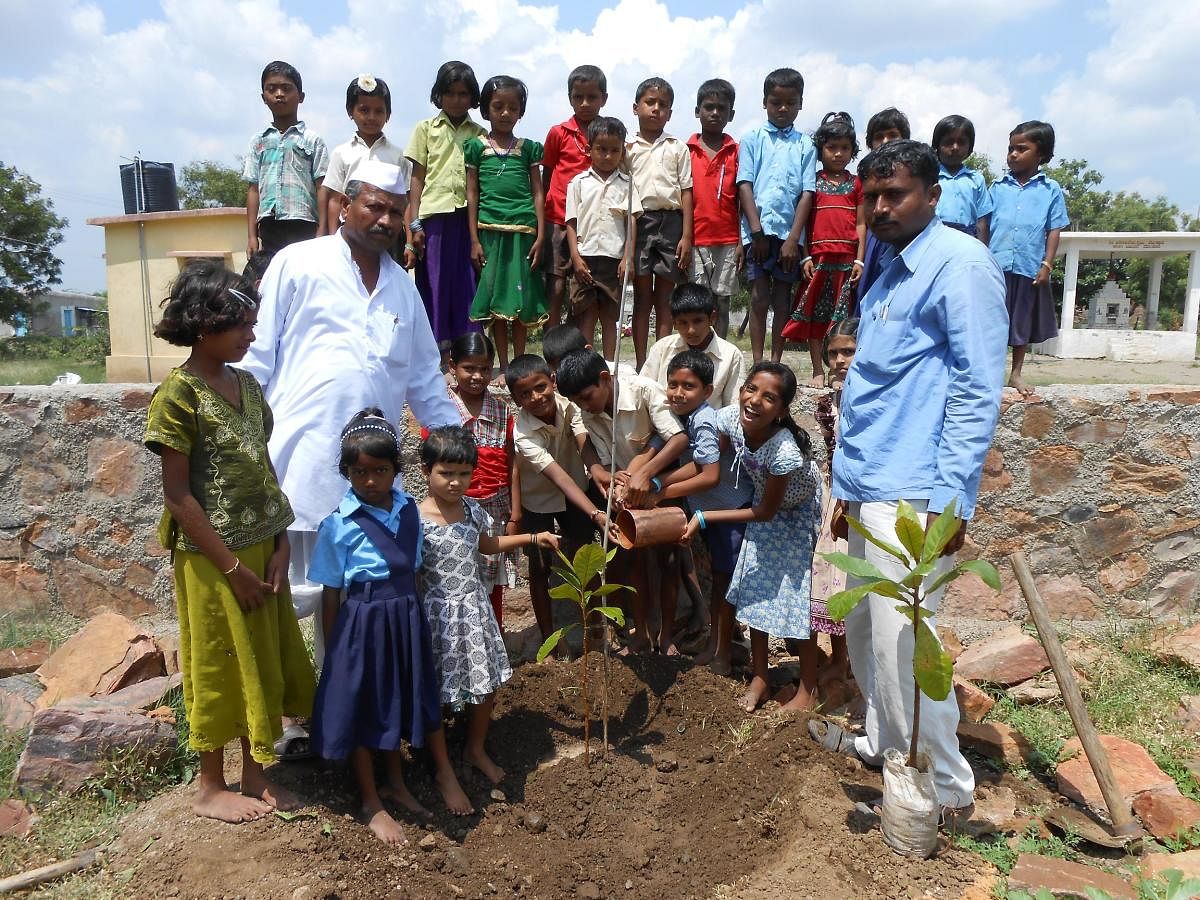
<point x="148" y="187"/>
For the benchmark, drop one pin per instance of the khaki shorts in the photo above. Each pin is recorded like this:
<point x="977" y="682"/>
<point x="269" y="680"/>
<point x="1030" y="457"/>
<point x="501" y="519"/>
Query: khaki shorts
<point x="658" y="234"/>
<point x="606" y="285"/>
<point x="556" y="255"/>
<point x="715" y="267"/>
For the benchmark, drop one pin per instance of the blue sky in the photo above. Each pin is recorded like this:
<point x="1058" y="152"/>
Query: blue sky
<point x="177" y="80"/>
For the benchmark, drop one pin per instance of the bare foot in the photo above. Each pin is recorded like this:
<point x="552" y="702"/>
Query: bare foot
<point x="816" y="382"/>
<point x="721" y="665"/>
<point x="226" y="806"/>
<point x="801" y="701"/>
<point x="756" y="695"/>
<point x="1023" y="389"/>
<point x="384" y="827"/>
<point x="667" y="647"/>
<point x="257" y="785"/>
<point x="484" y="763"/>
<point x="452" y="792"/>
<point x="635" y="647"/>
<point x="399" y="793"/>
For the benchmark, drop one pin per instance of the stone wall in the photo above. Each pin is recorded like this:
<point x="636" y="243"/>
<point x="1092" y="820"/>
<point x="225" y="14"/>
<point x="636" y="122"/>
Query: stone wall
<point x="1098" y="484"/>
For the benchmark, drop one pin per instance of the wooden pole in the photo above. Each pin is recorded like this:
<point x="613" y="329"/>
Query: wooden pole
<point x="1118" y="810"/>
<point x="34" y="877"/>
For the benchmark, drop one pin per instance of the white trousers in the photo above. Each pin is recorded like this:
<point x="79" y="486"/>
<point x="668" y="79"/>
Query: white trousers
<point x="306" y="596"/>
<point x="880" y="641"/>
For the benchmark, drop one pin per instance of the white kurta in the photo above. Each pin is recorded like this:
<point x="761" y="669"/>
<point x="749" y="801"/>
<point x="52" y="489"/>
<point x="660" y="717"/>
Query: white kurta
<point x="326" y="348"/>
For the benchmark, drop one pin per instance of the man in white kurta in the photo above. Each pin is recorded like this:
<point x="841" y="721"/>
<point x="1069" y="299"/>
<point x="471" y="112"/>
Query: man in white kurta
<point x="327" y="346"/>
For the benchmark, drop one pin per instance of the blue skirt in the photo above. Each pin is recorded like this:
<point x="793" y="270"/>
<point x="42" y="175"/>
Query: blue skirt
<point x="379" y="685"/>
<point x="1031" y="317"/>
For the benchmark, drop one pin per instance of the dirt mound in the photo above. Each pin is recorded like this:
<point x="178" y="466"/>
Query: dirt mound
<point x="696" y="800"/>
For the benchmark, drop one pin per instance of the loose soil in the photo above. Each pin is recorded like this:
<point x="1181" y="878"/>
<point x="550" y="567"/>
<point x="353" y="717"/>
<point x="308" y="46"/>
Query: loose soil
<point x="695" y="799"/>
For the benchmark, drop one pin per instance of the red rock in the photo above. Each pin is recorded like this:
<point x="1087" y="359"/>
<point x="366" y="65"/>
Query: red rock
<point x="1188" y="862"/>
<point x="968" y="597"/>
<point x="1134" y="476"/>
<point x="135" y="399"/>
<point x="1096" y="431"/>
<point x="996" y="741"/>
<point x="1051" y="469"/>
<point x="169" y="644"/>
<point x="1172" y="526"/>
<point x="1179" y="446"/>
<point x="1179" y="647"/>
<point x="140" y="577"/>
<point x="41" y="479"/>
<point x="1039" y="419"/>
<point x="22" y="587"/>
<point x="1111" y="534"/>
<point x="1063" y="878"/>
<point x="1173" y="597"/>
<point x="16" y="818"/>
<point x="85" y="555"/>
<point x="1188" y="712"/>
<point x="144" y="694"/>
<point x="115" y="466"/>
<point x="72" y="743"/>
<point x="120" y="532"/>
<point x="950" y="642"/>
<point x="107" y="654"/>
<point x="1067" y="597"/>
<point x="1007" y="657"/>
<point x="1132" y="767"/>
<point x="82" y="410"/>
<point x="995" y="477"/>
<point x="84" y="525"/>
<point x="83" y="591"/>
<point x="1166" y="813"/>
<point x="1183" y="396"/>
<point x="1043" y="689"/>
<point x="1124" y="574"/>
<point x="973" y="702"/>
<point x="15" y="711"/>
<point x="19" y="660"/>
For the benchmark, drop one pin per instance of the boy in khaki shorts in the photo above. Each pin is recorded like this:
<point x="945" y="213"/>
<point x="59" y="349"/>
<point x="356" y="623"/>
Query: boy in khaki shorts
<point x="717" y="254"/>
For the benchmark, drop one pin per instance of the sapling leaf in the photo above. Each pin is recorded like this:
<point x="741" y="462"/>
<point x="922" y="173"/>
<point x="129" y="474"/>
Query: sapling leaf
<point x="932" y="666"/>
<point x="611" y="554"/>
<point x="917" y="575"/>
<point x="841" y="603"/>
<point x="564" y="592"/>
<point x="984" y="570"/>
<point x="605" y="589"/>
<point x="852" y="565"/>
<point x="615" y="613"/>
<point x="909" y="529"/>
<point x="588" y="562"/>
<point x="906" y="610"/>
<point x="881" y="544"/>
<point x="550" y="643"/>
<point x="944" y="527"/>
<point x="568" y="577"/>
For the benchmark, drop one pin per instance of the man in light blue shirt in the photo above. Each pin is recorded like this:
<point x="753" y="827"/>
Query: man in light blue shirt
<point x="918" y="411"/>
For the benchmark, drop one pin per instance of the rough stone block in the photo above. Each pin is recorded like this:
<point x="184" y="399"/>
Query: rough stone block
<point x="1007" y="657"/>
<point x="15" y="711"/>
<point x="1124" y="574"/>
<point x="1173" y="597"/>
<point x="1128" y="475"/>
<point x="995" y="740"/>
<point x="974" y="703"/>
<point x="83" y="591"/>
<point x="1133" y="770"/>
<point x="1038" y="420"/>
<point x="1052" y="469"/>
<point x="1096" y="431"/>
<point x="1188" y="862"/>
<point x="145" y="694"/>
<point x="22" y="587"/>
<point x="115" y="466"/>
<point x="18" y="660"/>
<point x="1166" y="814"/>
<point x="1187" y="713"/>
<point x="107" y="654"/>
<point x="1177" y="547"/>
<point x="1067" y="597"/>
<point x="1063" y="878"/>
<point x="1043" y="689"/>
<point x="1179" y="647"/>
<point x="995" y="477"/>
<point x="1112" y="533"/>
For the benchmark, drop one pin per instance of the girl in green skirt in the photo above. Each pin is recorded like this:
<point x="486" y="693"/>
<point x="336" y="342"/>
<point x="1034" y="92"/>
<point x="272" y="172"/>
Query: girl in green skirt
<point x="506" y="218"/>
<point x="244" y="662"/>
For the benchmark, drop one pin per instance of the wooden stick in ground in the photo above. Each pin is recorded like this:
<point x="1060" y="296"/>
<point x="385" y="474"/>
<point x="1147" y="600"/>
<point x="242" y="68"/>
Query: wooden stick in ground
<point x="34" y="877"/>
<point x="1118" y="810"/>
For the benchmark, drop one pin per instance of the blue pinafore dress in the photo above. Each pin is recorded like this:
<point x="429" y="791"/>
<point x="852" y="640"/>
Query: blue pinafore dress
<point x="379" y="685"/>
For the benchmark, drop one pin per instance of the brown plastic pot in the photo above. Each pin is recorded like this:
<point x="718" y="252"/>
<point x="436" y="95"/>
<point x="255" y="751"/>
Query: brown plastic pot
<point x="648" y="527"/>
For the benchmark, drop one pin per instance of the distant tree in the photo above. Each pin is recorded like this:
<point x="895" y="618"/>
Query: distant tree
<point x="981" y="163"/>
<point x="206" y="183"/>
<point x="29" y="230"/>
<point x="1092" y="209"/>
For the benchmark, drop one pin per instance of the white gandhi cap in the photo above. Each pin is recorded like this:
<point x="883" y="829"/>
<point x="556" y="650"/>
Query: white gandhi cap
<point x="384" y="176"/>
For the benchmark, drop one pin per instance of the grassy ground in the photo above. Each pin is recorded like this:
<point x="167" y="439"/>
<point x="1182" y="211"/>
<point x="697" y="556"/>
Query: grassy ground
<point x="44" y="371"/>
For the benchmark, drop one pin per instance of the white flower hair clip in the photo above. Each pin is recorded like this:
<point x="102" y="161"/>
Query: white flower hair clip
<point x="367" y="82"/>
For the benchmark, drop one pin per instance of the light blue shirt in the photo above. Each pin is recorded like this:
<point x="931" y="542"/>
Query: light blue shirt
<point x="922" y="395"/>
<point x="1022" y="215"/>
<point x="343" y="552"/>
<point x="734" y="490"/>
<point x="780" y="164"/>
<point x="965" y="198"/>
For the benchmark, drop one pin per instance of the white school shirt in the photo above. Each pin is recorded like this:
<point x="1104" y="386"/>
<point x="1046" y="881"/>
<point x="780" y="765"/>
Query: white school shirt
<point x="349" y="156"/>
<point x="729" y="366"/>
<point x="326" y="348"/>
<point x="662" y="170"/>
<point x="599" y="206"/>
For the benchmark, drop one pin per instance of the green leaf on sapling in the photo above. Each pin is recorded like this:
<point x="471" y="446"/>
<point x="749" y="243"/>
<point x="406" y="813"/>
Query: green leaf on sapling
<point x="550" y="643"/>
<point x="881" y="544"/>
<point x="909" y="529"/>
<point x="944" y="527"/>
<point x="853" y="565"/>
<point x="932" y="666"/>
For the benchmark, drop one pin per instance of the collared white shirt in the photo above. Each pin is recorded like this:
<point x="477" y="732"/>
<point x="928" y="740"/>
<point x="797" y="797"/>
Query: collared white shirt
<point x="538" y="444"/>
<point x="348" y="156"/>
<point x="325" y="349"/>
<point x="662" y="170"/>
<point x="729" y="366"/>
<point x="642" y="416"/>
<point x="599" y="205"/>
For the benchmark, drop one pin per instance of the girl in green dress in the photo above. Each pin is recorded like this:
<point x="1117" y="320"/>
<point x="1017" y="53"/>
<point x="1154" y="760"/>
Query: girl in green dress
<point x="506" y="218"/>
<point x="244" y="662"/>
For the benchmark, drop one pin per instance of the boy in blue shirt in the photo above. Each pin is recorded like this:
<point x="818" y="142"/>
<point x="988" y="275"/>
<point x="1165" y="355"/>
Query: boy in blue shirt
<point x="284" y="167"/>
<point x="777" y="175"/>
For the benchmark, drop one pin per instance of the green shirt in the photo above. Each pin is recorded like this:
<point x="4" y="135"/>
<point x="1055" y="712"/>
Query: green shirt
<point x="229" y="471"/>
<point x="438" y="146"/>
<point x="505" y="188"/>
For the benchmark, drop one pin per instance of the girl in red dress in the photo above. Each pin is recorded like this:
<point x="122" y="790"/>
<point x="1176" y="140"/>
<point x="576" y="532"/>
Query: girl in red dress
<point x="836" y="238"/>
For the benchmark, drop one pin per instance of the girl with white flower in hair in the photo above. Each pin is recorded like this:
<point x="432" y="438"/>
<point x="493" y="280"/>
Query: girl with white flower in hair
<point x="369" y="105"/>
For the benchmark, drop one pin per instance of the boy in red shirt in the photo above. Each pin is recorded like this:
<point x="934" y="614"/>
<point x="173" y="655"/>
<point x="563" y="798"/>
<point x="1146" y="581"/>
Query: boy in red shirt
<point x="567" y="154"/>
<point x="717" y="247"/>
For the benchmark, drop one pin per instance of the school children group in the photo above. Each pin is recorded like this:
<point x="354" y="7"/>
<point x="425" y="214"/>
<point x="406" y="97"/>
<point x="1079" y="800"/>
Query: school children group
<point x="412" y="600"/>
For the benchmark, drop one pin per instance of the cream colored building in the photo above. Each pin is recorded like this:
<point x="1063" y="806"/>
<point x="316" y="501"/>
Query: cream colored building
<point x="143" y="254"/>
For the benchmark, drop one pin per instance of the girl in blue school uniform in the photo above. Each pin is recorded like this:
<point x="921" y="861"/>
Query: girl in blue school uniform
<point x="965" y="203"/>
<point x="379" y="685"/>
<point x="1029" y="213"/>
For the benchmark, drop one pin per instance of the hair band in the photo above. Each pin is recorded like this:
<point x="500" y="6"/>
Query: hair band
<point x="242" y="298"/>
<point x="368" y="427"/>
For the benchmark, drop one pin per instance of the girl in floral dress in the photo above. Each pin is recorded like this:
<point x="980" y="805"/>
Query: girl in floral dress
<point x="467" y="645"/>
<point x="771" y="586"/>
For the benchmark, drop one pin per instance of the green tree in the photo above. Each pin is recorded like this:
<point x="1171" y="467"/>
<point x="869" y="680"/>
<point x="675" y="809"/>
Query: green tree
<point x="981" y="163"/>
<point x="29" y="231"/>
<point x="1092" y="209"/>
<point x="207" y="183"/>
